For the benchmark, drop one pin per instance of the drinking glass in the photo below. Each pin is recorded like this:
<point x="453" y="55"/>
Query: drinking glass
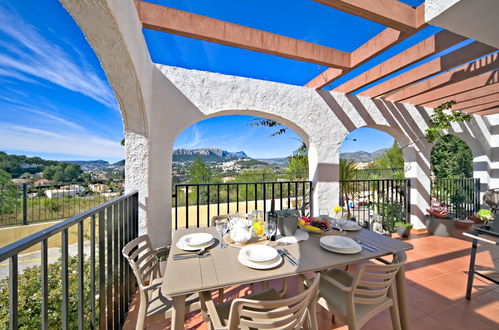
<point x="221" y="227"/>
<point x="270" y="228"/>
<point x="323" y="213"/>
<point x="341" y="224"/>
<point x="258" y="215"/>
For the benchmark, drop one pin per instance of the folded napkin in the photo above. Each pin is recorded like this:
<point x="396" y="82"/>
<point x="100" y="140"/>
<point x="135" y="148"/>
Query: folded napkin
<point x="300" y="235"/>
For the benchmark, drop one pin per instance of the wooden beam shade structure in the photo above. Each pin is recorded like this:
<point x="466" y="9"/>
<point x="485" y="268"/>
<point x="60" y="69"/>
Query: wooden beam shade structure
<point x="373" y="47"/>
<point x="491" y="111"/>
<point x="390" y="13"/>
<point x="476" y="102"/>
<point x="409" y="94"/>
<point x="164" y="19"/>
<point x="461" y="86"/>
<point x="466" y="96"/>
<point x="480" y="108"/>
<point x="462" y="55"/>
<point x="428" y="47"/>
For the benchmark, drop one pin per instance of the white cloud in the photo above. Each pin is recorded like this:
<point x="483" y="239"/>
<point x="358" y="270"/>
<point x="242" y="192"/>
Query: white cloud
<point x="194" y="139"/>
<point x="15" y="137"/>
<point x="29" y="55"/>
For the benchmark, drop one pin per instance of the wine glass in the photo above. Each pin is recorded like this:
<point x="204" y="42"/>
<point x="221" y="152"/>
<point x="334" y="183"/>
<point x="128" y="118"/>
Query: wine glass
<point x="341" y="224"/>
<point x="323" y="213"/>
<point x="270" y="228"/>
<point x="221" y="227"/>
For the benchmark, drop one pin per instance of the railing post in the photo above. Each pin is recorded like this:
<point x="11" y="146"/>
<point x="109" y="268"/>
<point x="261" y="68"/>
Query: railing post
<point x="25" y="204"/>
<point x="477" y="195"/>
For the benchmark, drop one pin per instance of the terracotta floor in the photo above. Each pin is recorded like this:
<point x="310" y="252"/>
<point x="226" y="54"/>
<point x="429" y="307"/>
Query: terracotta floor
<point x="436" y="271"/>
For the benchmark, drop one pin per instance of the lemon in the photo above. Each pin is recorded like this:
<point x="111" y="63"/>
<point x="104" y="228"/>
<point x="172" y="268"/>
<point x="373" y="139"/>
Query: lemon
<point x="312" y="228"/>
<point x="302" y="222"/>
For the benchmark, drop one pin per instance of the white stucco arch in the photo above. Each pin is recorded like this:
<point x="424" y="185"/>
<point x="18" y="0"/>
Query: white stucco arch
<point x="158" y="102"/>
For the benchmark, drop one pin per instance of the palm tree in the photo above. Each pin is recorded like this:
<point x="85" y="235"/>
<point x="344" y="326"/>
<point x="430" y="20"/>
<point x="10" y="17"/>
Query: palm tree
<point x="348" y="189"/>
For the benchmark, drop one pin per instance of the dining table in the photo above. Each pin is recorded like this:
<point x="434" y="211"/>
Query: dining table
<point x="221" y="268"/>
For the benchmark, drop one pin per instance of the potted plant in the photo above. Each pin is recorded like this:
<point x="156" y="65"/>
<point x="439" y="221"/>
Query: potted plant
<point x="485" y="215"/>
<point x="287" y="222"/>
<point x="403" y="229"/>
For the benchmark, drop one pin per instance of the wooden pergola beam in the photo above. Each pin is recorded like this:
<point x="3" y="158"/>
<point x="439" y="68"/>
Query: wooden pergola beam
<point x="373" y="47"/>
<point x="430" y="46"/>
<point x="461" y="86"/>
<point x="410" y="94"/>
<point x="462" y="55"/>
<point x="164" y="19"/>
<point x="466" y="96"/>
<point x="491" y="111"/>
<point x="482" y="107"/>
<point x="476" y="102"/>
<point x="390" y="13"/>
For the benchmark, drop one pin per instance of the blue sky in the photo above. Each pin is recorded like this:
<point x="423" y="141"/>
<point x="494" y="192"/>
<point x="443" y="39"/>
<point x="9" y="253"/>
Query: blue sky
<point x="55" y="101"/>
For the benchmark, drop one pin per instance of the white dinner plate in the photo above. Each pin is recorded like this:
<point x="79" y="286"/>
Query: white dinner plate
<point x="342" y="251"/>
<point x="339" y="242"/>
<point x="259" y="265"/>
<point x="183" y="246"/>
<point x="196" y="239"/>
<point x="259" y="253"/>
<point x="349" y="226"/>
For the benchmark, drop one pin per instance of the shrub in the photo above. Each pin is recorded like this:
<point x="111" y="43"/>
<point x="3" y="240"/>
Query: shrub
<point x="29" y="297"/>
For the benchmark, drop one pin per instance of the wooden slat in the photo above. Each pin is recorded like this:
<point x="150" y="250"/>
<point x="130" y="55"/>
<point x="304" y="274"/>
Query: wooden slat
<point x="467" y="96"/>
<point x="478" y="101"/>
<point x="373" y="47"/>
<point x="391" y="13"/>
<point x="410" y="94"/>
<point x="164" y="19"/>
<point x="487" y="112"/>
<point x="463" y="55"/>
<point x="461" y="86"/>
<point x="430" y="46"/>
<point x="481" y="107"/>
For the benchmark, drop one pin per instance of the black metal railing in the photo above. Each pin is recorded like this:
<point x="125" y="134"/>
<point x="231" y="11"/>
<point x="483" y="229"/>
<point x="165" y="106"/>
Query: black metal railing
<point x="28" y="203"/>
<point x="194" y="204"/>
<point x="461" y="196"/>
<point x="366" y="200"/>
<point x="76" y="291"/>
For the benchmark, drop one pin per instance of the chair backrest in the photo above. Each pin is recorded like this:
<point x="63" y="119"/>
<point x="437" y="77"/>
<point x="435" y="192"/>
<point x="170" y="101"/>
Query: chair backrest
<point x="142" y="259"/>
<point x="371" y="283"/>
<point x="227" y="216"/>
<point x="289" y="313"/>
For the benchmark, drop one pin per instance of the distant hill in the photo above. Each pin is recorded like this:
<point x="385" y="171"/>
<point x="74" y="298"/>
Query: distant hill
<point x="16" y="165"/>
<point x="206" y="154"/>
<point x="90" y="165"/>
<point x="362" y="156"/>
<point x="277" y="161"/>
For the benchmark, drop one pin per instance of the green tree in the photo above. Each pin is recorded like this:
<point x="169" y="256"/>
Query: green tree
<point x="8" y="193"/>
<point x="199" y="172"/>
<point x="348" y="190"/>
<point x="63" y="172"/>
<point x="451" y="158"/>
<point x="391" y="158"/>
<point x="440" y="121"/>
<point x="297" y="168"/>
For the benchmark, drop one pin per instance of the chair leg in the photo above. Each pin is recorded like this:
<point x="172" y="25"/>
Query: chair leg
<point x="333" y="319"/>
<point x="394" y="313"/>
<point x="220" y="296"/>
<point x="141" y="315"/>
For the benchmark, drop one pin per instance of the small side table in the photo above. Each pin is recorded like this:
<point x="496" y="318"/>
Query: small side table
<point x="492" y="276"/>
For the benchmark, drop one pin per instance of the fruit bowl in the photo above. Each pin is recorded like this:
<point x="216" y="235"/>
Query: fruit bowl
<point x="314" y="225"/>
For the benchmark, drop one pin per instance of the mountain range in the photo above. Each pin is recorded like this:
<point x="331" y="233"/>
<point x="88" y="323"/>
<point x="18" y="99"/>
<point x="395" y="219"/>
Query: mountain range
<point x="207" y="155"/>
<point x="217" y="155"/>
<point x="362" y="156"/>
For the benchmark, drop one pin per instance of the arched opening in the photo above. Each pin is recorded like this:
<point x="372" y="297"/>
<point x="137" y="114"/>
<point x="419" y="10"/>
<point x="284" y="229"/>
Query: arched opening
<point x="237" y="163"/>
<point x="373" y="188"/>
<point x="453" y="185"/>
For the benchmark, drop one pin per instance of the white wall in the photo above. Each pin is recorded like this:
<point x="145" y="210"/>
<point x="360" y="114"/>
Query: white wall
<point x="158" y="102"/>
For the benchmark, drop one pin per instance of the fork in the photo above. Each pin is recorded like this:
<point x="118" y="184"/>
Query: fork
<point x="284" y="255"/>
<point x="286" y="252"/>
<point x="182" y="257"/>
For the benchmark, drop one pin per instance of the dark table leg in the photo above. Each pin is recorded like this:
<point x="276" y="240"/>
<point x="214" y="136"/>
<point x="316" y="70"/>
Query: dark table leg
<point x="471" y="272"/>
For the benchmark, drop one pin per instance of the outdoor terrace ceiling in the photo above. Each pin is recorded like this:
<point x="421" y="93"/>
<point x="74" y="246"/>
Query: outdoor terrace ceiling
<point x="417" y="75"/>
